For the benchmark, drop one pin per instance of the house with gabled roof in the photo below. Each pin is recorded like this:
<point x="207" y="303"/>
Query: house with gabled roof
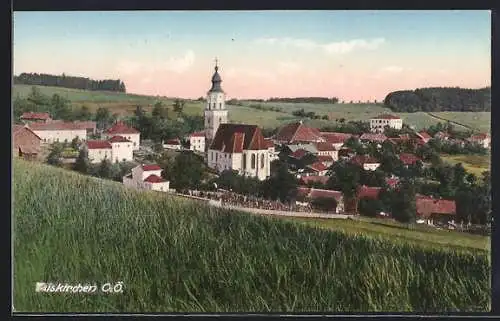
<point x="115" y="149"/>
<point x="307" y="195"/>
<point x="29" y="117"/>
<point x="431" y="210"/>
<point x="409" y="159"/>
<point x="197" y="141"/>
<point x="373" y="138"/>
<point x="25" y="143"/>
<point x="147" y="177"/>
<point x="336" y="139"/>
<point x="483" y="139"/>
<point x="424" y="136"/>
<point x="58" y="131"/>
<point x="122" y="129"/>
<point x="316" y="168"/>
<point x="298" y="133"/>
<point x="366" y="162"/>
<point x="241" y="148"/>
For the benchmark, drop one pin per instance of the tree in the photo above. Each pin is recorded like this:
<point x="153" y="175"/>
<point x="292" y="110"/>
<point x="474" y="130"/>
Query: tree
<point x="187" y="171"/>
<point x="102" y="117"/>
<point x="83" y="113"/>
<point x="159" y="111"/>
<point x="82" y="164"/>
<point x="345" y="177"/>
<point x="104" y="170"/>
<point x="403" y="205"/>
<point x="60" y="107"/>
<point x="55" y="154"/>
<point x="370" y="207"/>
<point x="281" y="184"/>
<point x="179" y="106"/>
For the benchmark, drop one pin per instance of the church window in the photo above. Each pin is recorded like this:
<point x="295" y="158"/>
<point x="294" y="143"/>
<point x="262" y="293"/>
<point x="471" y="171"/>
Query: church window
<point x="220" y="120"/>
<point x="253" y="161"/>
<point x="220" y="105"/>
<point x="213" y="105"/>
<point x="262" y="161"/>
<point x="216" y="157"/>
<point x="244" y="161"/>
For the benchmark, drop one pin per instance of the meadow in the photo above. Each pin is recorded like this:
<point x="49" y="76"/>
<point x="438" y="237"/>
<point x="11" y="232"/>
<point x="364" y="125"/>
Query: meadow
<point x="125" y="104"/>
<point x="175" y="255"/>
<point x="475" y="164"/>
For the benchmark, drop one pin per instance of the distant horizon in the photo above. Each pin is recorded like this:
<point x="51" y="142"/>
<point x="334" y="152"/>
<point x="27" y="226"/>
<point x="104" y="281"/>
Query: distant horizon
<point x="350" y="55"/>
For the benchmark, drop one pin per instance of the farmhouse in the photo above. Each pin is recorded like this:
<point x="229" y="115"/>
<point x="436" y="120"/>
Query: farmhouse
<point x="377" y="124"/>
<point x="482" y="139"/>
<point x="121" y="129"/>
<point x="30" y="117"/>
<point x="174" y="144"/>
<point x="298" y="133"/>
<point x="373" y="138"/>
<point x="306" y="195"/>
<point x="197" y="141"/>
<point x="115" y="149"/>
<point x="59" y="131"/>
<point x="241" y="148"/>
<point x="431" y="210"/>
<point x="25" y="143"/>
<point x="368" y="163"/>
<point x="146" y="177"/>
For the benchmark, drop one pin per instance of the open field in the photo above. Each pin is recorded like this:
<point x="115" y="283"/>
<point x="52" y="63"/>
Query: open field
<point x="124" y="104"/>
<point x="175" y="255"/>
<point x="475" y="164"/>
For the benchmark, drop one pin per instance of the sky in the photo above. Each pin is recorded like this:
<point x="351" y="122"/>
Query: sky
<point x="352" y="55"/>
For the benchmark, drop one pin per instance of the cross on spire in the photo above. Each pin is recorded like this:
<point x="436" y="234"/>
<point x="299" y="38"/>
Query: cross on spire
<point x="216" y="64"/>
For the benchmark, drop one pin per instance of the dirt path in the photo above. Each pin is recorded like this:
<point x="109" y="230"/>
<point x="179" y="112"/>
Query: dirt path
<point x="451" y="121"/>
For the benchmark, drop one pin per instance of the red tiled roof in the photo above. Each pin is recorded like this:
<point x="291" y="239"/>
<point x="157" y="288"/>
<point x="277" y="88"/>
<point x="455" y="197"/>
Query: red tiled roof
<point x="150" y="167"/>
<point x="25" y="139"/>
<point x="324" y="193"/>
<point x="364" y="159"/>
<point x="269" y="142"/>
<point x="303" y="191"/>
<point x="481" y="136"/>
<point x="335" y="138"/>
<point x="235" y="138"/>
<point x="37" y="116"/>
<point x="299" y="153"/>
<point x="386" y="116"/>
<point x="368" y="192"/>
<point x="314" y="179"/>
<point x="408" y="159"/>
<point x="154" y="179"/>
<point x="427" y="205"/>
<point x="174" y="141"/>
<point x="392" y="182"/>
<point x="198" y="134"/>
<point x="121" y="128"/>
<point x="325" y="158"/>
<point x="373" y="137"/>
<point x="56" y="125"/>
<point x="298" y="132"/>
<point x="118" y="139"/>
<point x="324" y="147"/>
<point x="424" y="135"/>
<point x="318" y="166"/>
<point x="98" y="144"/>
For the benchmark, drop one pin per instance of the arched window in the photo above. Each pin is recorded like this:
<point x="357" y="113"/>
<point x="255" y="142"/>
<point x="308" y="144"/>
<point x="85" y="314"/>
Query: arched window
<point x="253" y="161"/>
<point x="244" y="161"/>
<point x="213" y="105"/>
<point x="262" y="161"/>
<point x="220" y="105"/>
<point x="220" y="120"/>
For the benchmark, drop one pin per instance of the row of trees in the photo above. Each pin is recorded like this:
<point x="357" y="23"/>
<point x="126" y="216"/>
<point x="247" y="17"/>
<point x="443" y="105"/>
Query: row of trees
<point x="70" y="82"/>
<point x="352" y="127"/>
<point x="439" y="99"/>
<point x="310" y="114"/>
<point x="313" y="100"/>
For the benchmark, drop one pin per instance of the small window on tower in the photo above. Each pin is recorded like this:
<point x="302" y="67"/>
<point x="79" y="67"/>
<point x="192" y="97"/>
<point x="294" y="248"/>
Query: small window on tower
<point x="220" y="105"/>
<point x="213" y="105"/>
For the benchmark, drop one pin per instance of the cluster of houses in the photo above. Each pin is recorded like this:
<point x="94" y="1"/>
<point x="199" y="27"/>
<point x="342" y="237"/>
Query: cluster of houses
<point x="238" y="147"/>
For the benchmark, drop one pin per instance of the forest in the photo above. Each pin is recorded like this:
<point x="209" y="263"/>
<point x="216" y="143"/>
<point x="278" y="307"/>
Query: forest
<point x="70" y="82"/>
<point x="439" y="99"/>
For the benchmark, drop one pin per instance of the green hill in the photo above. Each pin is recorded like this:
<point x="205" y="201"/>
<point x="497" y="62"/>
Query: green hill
<point x="174" y="255"/>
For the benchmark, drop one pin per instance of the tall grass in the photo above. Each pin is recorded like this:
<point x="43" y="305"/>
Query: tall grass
<point x="174" y="255"/>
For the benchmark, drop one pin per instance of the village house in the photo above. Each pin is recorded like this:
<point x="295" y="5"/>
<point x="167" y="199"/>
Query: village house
<point x="373" y="138"/>
<point x="326" y="160"/>
<point x="241" y="148"/>
<point x="30" y="117"/>
<point x="317" y="169"/>
<point x="174" y="144"/>
<point x="25" y="143"/>
<point x="197" y="141"/>
<point x="431" y="210"/>
<point x="121" y="129"/>
<point x="115" y="149"/>
<point x="483" y="139"/>
<point x="147" y="177"/>
<point x="424" y="136"/>
<point x="59" y="131"/>
<point x="298" y="133"/>
<point x="377" y="124"/>
<point x="408" y="159"/>
<point x="337" y="140"/>
<point x="327" y="149"/>
<point x="366" y="162"/>
<point x="305" y="196"/>
<point x="442" y="135"/>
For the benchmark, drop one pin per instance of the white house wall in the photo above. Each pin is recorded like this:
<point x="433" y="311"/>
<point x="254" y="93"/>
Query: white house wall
<point x="50" y="136"/>
<point x="122" y="151"/>
<point x="97" y="155"/>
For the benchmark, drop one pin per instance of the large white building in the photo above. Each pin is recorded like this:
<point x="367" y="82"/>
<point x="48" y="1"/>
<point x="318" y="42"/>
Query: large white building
<point x="377" y="124"/>
<point x="58" y="131"/>
<point x="121" y="129"/>
<point x="147" y="177"/>
<point x="197" y="142"/>
<point x="241" y="148"/>
<point x="215" y="108"/>
<point x="116" y="149"/>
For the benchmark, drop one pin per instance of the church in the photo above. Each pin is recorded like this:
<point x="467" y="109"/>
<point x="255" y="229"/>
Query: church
<point x="237" y="147"/>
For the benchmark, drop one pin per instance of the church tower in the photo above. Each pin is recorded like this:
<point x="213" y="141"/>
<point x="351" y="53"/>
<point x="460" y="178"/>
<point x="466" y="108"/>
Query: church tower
<point x="215" y="108"/>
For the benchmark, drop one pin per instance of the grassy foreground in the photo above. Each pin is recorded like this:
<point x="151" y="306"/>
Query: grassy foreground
<point x="174" y="255"/>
